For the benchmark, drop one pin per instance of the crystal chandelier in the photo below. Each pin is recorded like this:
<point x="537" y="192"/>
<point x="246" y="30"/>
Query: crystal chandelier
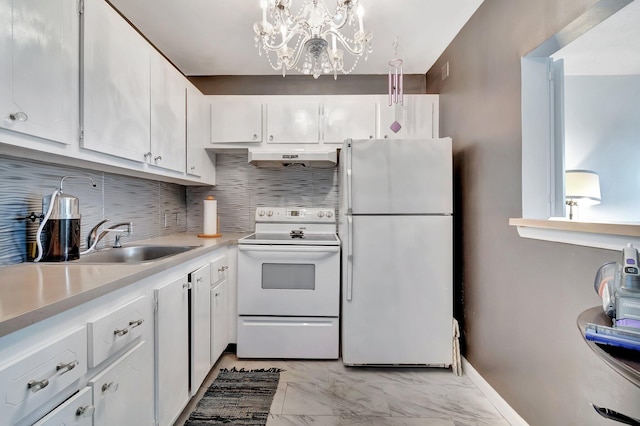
<point x="313" y="40"/>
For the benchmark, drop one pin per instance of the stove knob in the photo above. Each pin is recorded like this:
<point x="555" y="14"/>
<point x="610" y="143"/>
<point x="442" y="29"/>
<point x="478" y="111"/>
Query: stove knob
<point x="261" y="213"/>
<point x="329" y="213"/>
<point x="269" y="213"/>
<point x="320" y="214"/>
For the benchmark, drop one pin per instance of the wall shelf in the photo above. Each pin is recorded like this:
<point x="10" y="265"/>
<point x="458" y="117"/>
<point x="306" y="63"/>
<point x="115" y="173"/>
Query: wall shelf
<point x="612" y="236"/>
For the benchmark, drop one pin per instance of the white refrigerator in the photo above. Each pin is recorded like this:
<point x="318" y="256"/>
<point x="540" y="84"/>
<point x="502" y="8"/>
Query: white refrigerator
<point x="395" y="224"/>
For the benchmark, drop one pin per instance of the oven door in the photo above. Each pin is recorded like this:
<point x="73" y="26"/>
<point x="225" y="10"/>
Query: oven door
<point x="288" y="280"/>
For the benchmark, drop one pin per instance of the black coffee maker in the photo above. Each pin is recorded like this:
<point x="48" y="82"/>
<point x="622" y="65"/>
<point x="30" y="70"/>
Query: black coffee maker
<point x="58" y="236"/>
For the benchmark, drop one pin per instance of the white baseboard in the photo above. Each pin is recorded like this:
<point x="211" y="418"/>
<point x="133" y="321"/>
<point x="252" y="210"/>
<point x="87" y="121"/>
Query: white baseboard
<point x="509" y="414"/>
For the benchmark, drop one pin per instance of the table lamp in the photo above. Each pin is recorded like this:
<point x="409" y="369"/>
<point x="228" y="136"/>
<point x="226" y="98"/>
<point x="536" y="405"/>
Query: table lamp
<point x="582" y="188"/>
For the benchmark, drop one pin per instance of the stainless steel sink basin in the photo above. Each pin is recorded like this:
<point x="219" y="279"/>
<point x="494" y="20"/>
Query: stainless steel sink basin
<point x="133" y="254"/>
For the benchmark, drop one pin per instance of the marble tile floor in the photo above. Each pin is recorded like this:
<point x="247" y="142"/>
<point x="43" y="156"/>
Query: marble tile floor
<point x="326" y="393"/>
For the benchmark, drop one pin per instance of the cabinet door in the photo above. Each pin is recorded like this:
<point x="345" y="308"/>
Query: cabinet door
<point x="200" y="301"/>
<point x="116" y="110"/>
<point x="416" y="118"/>
<point x="197" y="131"/>
<point x="39" y="68"/>
<point x="290" y="121"/>
<point x="172" y="350"/>
<point x="219" y="324"/>
<point x="76" y="411"/>
<point x="236" y="119"/>
<point x="123" y="392"/>
<point x="168" y="115"/>
<point x="348" y="117"/>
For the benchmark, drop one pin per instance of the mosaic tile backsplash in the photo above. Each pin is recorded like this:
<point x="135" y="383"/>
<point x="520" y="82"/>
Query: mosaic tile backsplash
<point x="241" y="188"/>
<point x="155" y="208"/>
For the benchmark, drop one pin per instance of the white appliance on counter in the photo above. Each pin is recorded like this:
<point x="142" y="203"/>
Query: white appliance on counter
<point x="395" y="224"/>
<point x="289" y="285"/>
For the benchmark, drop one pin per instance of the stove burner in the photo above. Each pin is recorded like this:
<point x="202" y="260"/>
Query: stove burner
<point x="297" y="234"/>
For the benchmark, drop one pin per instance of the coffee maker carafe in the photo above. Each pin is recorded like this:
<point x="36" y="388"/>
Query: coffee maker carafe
<point x="58" y="236"/>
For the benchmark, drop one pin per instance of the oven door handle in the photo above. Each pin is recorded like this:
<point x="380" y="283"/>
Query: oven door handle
<point x="289" y="249"/>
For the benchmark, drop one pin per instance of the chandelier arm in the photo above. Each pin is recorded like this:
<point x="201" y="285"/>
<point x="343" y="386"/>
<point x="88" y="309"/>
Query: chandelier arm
<point x="300" y="31"/>
<point x="356" y="50"/>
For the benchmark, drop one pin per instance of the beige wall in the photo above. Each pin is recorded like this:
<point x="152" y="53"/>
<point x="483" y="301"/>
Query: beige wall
<point x="520" y="297"/>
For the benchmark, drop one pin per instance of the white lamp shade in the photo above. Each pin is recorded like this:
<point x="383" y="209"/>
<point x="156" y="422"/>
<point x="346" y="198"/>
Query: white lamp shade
<point x="582" y="187"/>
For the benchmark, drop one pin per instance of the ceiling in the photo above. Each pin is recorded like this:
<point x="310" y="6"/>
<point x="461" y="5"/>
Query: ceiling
<point x="215" y="37"/>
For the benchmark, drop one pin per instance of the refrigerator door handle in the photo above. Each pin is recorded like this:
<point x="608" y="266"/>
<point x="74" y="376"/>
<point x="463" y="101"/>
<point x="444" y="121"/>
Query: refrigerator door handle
<point x="348" y="166"/>
<point x="349" y="258"/>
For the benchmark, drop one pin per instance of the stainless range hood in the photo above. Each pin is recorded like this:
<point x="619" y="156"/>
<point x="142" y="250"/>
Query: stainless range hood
<point x="319" y="158"/>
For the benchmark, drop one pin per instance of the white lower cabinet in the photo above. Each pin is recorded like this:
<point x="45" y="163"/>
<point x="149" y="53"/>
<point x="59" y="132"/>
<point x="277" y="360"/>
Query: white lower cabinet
<point x="75" y="411"/>
<point x="200" y="327"/>
<point x="122" y="393"/>
<point x="172" y="350"/>
<point x="219" y="322"/>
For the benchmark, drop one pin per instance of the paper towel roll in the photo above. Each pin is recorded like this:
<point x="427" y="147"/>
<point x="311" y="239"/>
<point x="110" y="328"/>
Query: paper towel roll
<point x="210" y="216"/>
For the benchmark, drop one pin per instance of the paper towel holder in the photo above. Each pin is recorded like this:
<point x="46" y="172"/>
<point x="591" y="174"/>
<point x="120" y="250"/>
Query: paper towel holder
<point x="212" y="235"/>
<point x="217" y="228"/>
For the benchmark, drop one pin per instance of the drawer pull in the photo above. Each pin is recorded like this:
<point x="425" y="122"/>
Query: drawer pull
<point x="136" y="323"/>
<point x="121" y="332"/>
<point x="110" y="387"/>
<point x="36" y="385"/>
<point x="66" y="367"/>
<point x="85" y="411"/>
<point x="224" y="268"/>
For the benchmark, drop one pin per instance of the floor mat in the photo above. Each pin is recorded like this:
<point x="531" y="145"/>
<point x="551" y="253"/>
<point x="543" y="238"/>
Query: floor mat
<point x="237" y="397"/>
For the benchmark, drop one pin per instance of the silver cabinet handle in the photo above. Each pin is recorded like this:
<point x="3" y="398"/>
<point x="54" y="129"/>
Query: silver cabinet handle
<point x="66" y="367"/>
<point x="85" y="411"/>
<point x="147" y="154"/>
<point x="136" y="323"/>
<point x="111" y="387"/>
<point x="222" y="269"/>
<point x="158" y="158"/>
<point x="255" y="136"/>
<point x="216" y="294"/>
<point x="192" y="168"/>
<point x="120" y="332"/>
<point x="270" y="137"/>
<point x="36" y="385"/>
<point x="186" y="286"/>
<point x="18" y="116"/>
<point x="199" y="279"/>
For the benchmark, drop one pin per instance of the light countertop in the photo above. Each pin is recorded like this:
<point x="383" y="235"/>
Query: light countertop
<point x="32" y="292"/>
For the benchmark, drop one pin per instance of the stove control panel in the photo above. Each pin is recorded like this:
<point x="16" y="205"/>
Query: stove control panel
<point x="295" y="214"/>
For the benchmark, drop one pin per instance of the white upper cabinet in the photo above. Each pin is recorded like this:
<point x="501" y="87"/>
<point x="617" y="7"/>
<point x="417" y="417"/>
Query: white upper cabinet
<point x="348" y="117"/>
<point x="197" y="130"/>
<point x="116" y="108"/>
<point x="236" y="119"/>
<point x="293" y="121"/>
<point x="168" y="115"/>
<point x="417" y="116"/>
<point x="39" y="68"/>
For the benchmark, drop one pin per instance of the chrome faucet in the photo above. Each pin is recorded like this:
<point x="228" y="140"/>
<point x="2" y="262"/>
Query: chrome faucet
<point x="94" y="238"/>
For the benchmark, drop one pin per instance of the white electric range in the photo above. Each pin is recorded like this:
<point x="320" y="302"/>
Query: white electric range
<point x="289" y="285"/>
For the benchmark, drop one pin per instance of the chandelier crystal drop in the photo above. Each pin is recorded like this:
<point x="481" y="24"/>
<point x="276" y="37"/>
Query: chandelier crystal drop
<point x="314" y="39"/>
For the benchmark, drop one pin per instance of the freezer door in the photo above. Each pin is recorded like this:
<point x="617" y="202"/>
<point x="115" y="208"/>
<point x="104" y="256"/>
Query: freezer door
<point x="400" y="176"/>
<point x="397" y="305"/>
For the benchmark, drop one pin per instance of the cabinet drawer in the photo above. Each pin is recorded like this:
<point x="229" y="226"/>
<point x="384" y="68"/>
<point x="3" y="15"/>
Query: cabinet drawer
<point x="219" y="268"/>
<point x="42" y="374"/>
<point x="76" y="411"/>
<point x="116" y="329"/>
<point x="123" y="392"/>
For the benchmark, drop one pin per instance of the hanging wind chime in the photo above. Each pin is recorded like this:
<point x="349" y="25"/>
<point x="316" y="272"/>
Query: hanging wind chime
<point x="395" y="86"/>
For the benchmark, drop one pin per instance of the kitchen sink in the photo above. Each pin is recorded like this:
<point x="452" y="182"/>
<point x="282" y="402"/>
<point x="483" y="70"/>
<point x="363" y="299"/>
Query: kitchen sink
<point x="133" y="254"/>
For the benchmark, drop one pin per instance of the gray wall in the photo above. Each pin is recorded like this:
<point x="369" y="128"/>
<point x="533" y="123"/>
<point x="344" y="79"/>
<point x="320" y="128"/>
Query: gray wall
<point x="519" y="298"/>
